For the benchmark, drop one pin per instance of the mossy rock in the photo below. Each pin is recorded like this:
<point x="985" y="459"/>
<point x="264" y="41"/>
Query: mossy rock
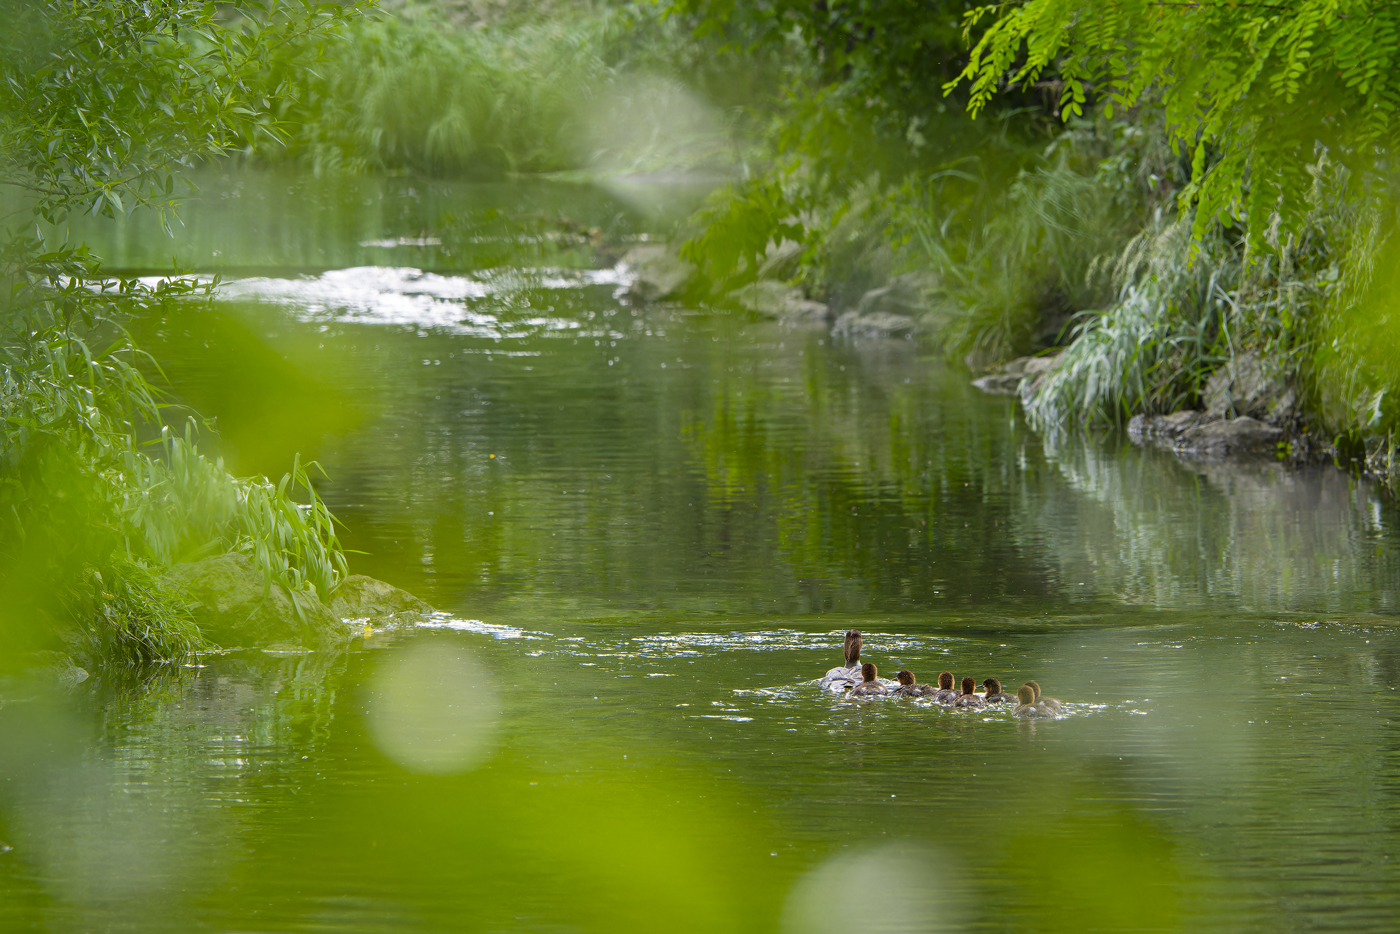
<point x="365" y="598"/>
<point x="230" y="606"/>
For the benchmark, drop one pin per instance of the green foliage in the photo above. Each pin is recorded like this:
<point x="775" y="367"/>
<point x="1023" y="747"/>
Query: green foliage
<point x="1152" y="350"/>
<point x="1250" y="90"/>
<point x="737" y="228"/>
<point x="414" y="92"/>
<point x="408" y="93"/>
<point x="184" y="506"/>
<point x="126" y="612"/>
<point x="98" y="102"/>
<point x="1046" y="247"/>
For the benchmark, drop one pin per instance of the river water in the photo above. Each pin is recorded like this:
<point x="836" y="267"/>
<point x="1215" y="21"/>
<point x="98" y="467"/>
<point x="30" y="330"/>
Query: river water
<point x="647" y="528"/>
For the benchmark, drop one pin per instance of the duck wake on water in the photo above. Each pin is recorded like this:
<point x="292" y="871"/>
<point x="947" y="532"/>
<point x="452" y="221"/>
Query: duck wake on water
<point x="855" y="679"/>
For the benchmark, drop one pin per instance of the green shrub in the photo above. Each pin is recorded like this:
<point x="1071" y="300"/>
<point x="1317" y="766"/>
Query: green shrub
<point x="97" y="104"/>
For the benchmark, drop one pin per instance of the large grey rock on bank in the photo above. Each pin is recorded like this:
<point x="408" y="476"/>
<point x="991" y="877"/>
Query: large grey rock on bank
<point x="892" y="310"/>
<point x="778" y="300"/>
<point x="1165" y="429"/>
<point x="1251" y="385"/>
<point x="230" y="606"/>
<point x="365" y="598"/>
<point x="1005" y="380"/>
<point x="1200" y="435"/>
<point x="875" y="324"/>
<point x="1226" y="437"/>
<point x="659" y="272"/>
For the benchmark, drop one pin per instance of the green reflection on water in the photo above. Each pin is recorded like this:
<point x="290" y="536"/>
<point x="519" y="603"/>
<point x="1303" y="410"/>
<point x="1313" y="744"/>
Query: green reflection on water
<point x="663" y="520"/>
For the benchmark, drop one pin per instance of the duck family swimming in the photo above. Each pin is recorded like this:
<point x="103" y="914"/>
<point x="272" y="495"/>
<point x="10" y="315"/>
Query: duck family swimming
<point x="862" y="680"/>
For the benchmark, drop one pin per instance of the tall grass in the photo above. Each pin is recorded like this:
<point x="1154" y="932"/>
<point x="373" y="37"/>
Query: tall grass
<point x="183" y="505"/>
<point x="413" y="92"/>
<point x="89" y="518"/>
<point x="1152" y="349"/>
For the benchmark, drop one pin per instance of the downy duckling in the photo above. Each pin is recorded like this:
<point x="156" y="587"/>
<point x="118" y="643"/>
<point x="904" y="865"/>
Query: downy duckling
<point x="946" y="694"/>
<point x="909" y="687"/>
<point x="1025" y="704"/>
<point x="969" y="696"/>
<point x="995" y="695"/>
<point x="1045" y="703"/>
<point x="869" y="685"/>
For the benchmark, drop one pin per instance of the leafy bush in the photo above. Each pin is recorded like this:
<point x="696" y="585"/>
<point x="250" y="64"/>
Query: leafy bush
<point x="97" y="104"/>
<point x="585" y="89"/>
<point x="1250" y="90"/>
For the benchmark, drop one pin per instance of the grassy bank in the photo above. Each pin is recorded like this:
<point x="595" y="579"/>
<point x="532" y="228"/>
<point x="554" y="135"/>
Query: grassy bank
<point x="1054" y="221"/>
<point x="429" y="89"/>
<point x="1091" y="231"/>
<point x="102" y="489"/>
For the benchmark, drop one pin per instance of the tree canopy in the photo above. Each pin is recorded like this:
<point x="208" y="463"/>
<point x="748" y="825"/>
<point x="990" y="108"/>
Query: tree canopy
<point x="1252" y="90"/>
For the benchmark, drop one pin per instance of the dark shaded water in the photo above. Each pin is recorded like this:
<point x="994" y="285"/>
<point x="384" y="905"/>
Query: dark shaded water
<point x="649" y="527"/>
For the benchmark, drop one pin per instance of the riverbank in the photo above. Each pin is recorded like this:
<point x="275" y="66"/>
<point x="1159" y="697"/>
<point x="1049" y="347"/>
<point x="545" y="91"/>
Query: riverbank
<point x="858" y="204"/>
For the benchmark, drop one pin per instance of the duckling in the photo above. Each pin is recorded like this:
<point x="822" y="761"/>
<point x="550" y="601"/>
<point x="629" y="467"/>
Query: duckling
<point x="847" y="677"/>
<point x="1025" y="704"/>
<point x="1045" y="703"/>
<point x="946" y="694"/>
<point x="908" y="687"/>
<point x="995" y="695"/>
<point x="969" y="696"/>
<point x="869" y="685"/>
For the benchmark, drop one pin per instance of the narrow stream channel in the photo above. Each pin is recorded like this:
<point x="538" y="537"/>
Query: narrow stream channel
<point x="647" y="528"/>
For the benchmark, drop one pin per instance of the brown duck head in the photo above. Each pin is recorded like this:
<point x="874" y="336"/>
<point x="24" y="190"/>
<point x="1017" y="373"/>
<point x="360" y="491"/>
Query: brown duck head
<point x="945" y="680"/>
<point x="992" y="685"/>
<point x="852" y="647"/>
<point x="1034" y="687"/>
<point x="969" y="685"/>
<point x="868" y="671"/>
<point x="1026" y="695"/>
<point x="905" y="677"/>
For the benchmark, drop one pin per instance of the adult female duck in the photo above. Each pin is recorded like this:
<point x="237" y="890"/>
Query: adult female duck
<point x="908" y="687"/>
<point x="841" y="679"/>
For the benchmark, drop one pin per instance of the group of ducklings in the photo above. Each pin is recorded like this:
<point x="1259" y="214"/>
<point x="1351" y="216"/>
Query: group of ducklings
<point x="1028" y="700"/>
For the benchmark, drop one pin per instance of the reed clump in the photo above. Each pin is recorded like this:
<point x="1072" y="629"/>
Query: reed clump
<point x="98" y="497"/>
<point x="416" y="91"/>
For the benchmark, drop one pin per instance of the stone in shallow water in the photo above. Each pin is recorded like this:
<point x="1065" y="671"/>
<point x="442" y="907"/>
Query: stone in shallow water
<point x="659" y="273"/>
<point x="365" y="598"/>
<point x="778" y="300"/>
<point x="1005" y="380"/>
<point x="1199" y="434"/>
<point x="1165" y="427"/>
<point x="1243" y="435"/>
<point x="230" y="606"/>
<point x="875" y="324"/>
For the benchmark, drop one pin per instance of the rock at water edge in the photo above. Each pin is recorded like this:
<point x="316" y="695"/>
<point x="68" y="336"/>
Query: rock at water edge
<point x="1251" y="385"/>
<point x="364" y="598"/>
<point x="1243" y="435"/>
<point x="659" y="272"/>
<point x="231" y="608"/>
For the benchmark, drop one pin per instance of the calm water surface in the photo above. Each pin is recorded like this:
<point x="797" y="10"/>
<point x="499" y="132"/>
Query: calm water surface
<point x="647" y="528"/>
